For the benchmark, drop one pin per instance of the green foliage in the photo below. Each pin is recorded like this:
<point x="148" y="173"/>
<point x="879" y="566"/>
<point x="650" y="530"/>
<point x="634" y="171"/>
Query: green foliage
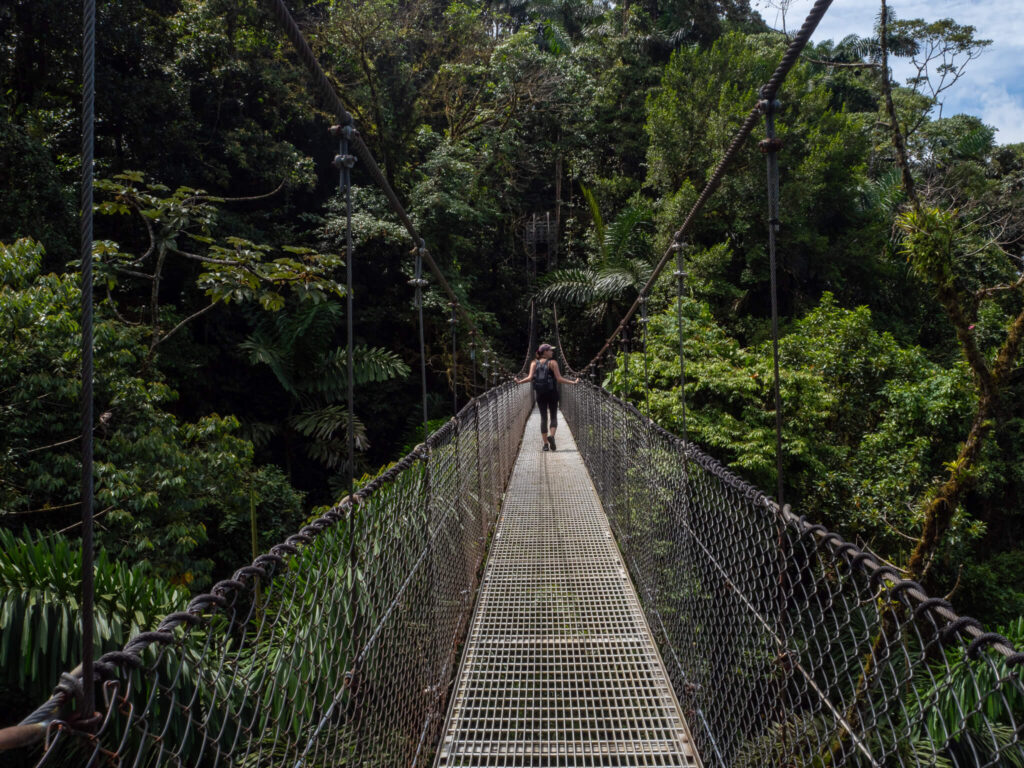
<point x="968" y="691"/>
<point x="234" y="270"/>
<point x="830" y="241"/>
<point x="40" y="590"/>
<point x="33" y="201"/>
<point x="621" y="265"/>
<point x="297" y="347"/>
<point x="930" y="243"/>
<point x="891" y="416"/>
<point x="162" y="484"/>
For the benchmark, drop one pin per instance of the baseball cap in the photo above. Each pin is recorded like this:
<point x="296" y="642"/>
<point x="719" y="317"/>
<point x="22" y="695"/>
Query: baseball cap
<point x="545" y="348"/>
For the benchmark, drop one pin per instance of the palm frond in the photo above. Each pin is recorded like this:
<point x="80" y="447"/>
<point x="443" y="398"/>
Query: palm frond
<point x="326" y="422"/>
<point x="613" y="282"/>
<point x="376" y="364"/>
<point x="262" y="348"/>
<point x="329" y="376"/>
<point x="625" y="232"/>
<point x="574" y="286"/>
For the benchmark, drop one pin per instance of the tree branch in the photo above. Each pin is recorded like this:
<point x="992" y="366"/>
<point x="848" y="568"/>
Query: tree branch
<point x="995" y="290"/>
<point x="206" y="259"/>
<point x="178" y="327"/>
<point x="277" y="189"/>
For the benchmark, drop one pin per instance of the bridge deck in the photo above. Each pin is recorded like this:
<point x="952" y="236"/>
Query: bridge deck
<point x="560" y="668"/>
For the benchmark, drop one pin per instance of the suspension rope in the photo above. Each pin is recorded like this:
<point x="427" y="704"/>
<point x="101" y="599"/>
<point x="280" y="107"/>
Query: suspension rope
<point x="86" y="236"/>
<point x="680" y="275"/>
<point x="419" y="283"/>
<point x="531" y="342"/>
<point x="558" y="342"/>
<point x="333" y="101"/>
<point x="472" y="359"/>
<point x="625" y="355"/>
<point x="767" y="92"/>
<point x="454" y="322"/>
<point x="647" y="382"/>
<point x="770" y="147"/>
<point x="344" y="163"/>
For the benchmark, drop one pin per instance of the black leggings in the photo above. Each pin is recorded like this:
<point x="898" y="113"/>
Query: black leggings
<point x="547" y="402"/>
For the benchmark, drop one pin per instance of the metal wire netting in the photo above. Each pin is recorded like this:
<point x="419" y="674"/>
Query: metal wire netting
<point x="337" y="647"/>
<point x="785" y="644"/>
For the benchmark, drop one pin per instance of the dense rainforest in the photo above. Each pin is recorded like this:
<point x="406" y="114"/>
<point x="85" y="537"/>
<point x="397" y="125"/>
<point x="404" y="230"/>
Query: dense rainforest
<point x="220" y="297"/>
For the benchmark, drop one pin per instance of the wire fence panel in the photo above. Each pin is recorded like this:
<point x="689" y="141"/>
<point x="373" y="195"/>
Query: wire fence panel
<point x="336" y="648"/>
<point x="785" y="644"/>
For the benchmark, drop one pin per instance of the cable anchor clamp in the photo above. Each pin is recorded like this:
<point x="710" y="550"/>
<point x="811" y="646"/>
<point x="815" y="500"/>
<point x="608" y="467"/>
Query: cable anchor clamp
<point x="771" y="145"/>
<point x="343" y="161"/>
<point x="765" y="104"/>
<point x="418" y="282"/>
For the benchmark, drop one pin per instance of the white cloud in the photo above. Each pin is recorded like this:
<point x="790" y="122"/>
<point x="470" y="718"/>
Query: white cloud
<point x="992" y="87"/>
<point x="999" y="109"/>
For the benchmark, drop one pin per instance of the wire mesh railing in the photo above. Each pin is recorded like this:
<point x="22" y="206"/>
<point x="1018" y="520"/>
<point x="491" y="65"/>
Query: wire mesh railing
<point x="786" y="645"/>
<point x="336" y="648"/>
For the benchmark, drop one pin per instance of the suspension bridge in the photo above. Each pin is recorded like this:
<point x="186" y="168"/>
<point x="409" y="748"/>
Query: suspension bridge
<point x="625" y="600"/>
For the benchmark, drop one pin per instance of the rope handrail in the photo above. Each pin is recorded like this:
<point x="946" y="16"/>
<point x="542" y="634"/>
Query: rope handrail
<point x="488" y="418"/>
<point x="767" y="94"/>
<point x="835" y="659"/>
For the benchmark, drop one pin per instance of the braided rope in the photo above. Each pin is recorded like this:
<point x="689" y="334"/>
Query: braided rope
<point x="767" y="92"/>
<point x="880" y="573"/>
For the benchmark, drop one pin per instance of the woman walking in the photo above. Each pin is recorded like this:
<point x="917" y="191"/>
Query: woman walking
<point x="545" y="376"/>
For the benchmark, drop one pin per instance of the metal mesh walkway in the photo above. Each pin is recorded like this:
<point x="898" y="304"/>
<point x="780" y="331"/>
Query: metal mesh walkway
<point x="560" y="668"/>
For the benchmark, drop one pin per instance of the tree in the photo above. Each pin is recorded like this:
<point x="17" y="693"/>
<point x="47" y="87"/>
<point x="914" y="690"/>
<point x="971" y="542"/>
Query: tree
<point x="890" y="414"/>
<point x="163" y="485"/>
<point x="622" y="264"/>
<point x="298" y="348"/>
<point x="234" y="270"/>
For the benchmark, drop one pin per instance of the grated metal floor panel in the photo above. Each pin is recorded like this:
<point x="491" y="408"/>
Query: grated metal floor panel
<point x="560" y="668"/>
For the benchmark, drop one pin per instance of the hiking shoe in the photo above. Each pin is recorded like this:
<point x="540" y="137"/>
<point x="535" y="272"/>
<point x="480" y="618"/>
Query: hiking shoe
<point x="545" y="448"/>
<point x="551" y="442"/>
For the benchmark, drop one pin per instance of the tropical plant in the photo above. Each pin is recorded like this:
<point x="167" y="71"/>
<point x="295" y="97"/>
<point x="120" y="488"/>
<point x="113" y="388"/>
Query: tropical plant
<point x="621" y="264"/>
<point x="40" y="592"/>
<point x="298" y="349"/>
<point x="179" y="225"/>
<point x="163" y="484"/>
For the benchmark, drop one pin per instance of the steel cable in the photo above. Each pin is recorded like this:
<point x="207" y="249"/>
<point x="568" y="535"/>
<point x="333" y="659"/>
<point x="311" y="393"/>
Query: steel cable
<point x="770" y="147"/>
<point x="86" y="237"/>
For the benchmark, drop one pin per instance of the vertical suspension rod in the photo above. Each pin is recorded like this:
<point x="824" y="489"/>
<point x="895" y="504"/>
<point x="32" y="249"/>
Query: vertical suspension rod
<point x="85" y="227"/>
<point x="770" y="147"/>
<point x="344" y="162"/>
<point x="680" y="275"/>
<point x="647" y="383"/>
<point x="455" y="360"/>
<point x="419" y="283"/>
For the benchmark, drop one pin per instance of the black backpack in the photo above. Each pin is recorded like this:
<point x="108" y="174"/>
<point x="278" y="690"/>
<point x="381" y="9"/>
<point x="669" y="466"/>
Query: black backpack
<point x="543" y="379"/>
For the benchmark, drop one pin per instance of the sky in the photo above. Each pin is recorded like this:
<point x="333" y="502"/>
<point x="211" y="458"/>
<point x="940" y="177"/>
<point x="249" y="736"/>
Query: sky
<point x="992" y="87"/>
